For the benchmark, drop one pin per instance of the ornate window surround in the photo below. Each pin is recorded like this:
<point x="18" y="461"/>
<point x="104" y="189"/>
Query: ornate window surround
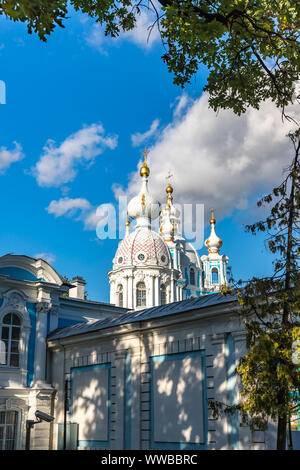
<point x="11" y="404"/>
<point x="120" y="295"/>
<point x="215" y="270"/>
<point x="14" y="301"/>
<point x="139" y="289"/>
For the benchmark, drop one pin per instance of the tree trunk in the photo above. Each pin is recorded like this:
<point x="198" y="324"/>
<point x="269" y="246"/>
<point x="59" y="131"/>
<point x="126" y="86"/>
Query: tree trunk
<point x="282" y="421"/>
<point x="281" y="433"/>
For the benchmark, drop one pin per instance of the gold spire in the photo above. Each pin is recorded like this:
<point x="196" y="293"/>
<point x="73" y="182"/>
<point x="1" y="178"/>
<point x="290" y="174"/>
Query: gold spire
<point x="127" y="225"/>
<point x="145" y="170"/>
<point x="169" y="189"/>
<point x="212" y="220"/>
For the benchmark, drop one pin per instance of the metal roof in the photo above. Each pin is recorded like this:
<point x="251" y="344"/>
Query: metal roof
<point x="204" y="301"/>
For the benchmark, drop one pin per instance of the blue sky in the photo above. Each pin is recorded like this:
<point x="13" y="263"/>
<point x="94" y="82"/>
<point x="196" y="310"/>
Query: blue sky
<point x="79" y="79"/>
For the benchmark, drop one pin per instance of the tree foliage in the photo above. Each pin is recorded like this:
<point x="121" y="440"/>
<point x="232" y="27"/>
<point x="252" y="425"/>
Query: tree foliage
<point x="270" y="308"/>
<point x="250" y="47"/>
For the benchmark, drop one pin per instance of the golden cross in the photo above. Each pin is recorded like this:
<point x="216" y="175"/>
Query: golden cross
<point x="144" y="155"/>
<point x="169" y="177"/>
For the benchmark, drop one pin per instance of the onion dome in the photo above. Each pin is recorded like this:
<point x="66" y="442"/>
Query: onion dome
<point x="169" y="221"/>
<point x="213" y="243"/>
<point x="143" y="208"/>
<point x="142" y="247"/>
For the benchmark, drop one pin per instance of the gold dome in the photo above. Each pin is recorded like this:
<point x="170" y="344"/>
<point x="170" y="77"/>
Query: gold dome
<point x="144" y="170"/>
<point x="169" y="189"/>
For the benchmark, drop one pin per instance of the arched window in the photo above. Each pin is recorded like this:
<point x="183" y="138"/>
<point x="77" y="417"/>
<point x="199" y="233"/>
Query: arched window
<point x="8" y="429"/>
<point x="163" y="294"/>
<point x="192" y="276"/>
<point x="10" y="340"/>
<point x="140" y="294"/>
<point x="120" y="295"/>
<point x="215" y="276"/>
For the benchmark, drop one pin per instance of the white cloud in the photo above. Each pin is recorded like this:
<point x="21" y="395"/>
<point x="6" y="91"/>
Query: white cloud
<point x="221" y="160"/>
<point x="58" y="164"/>
<point x="68" y="206"/>
<point x="49" y="257"/>
<point x="138" y="138"/>
<point x="7" y="157"/>
<point x="78" y="208"/>
<point x="139" y="35"/>
<point x="182" y="103"/>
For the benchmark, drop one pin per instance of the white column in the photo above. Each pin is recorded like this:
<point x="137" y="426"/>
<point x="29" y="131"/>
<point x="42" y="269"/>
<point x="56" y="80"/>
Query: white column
<point x="40" y="343"/>
<point x="149" y="286"/>
<point x="157" y="291"/>
<point x="125" y="291"/>
<point x="130" y="291"/>
<point x="152" y="297"/>
<point x="112" y="292"/>
<point x="172" y="290"/>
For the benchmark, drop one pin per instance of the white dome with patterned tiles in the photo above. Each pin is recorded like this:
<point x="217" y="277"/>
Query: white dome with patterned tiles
<point x="143" y="247"/>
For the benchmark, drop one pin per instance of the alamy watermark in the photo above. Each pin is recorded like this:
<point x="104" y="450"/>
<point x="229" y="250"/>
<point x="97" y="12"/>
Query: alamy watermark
<point x="2" y="92"/>
<point x="189" y="220"/>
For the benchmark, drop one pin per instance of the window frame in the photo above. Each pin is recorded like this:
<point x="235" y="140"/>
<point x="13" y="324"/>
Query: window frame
<point x="192" y="271"/>
<point x="139" y="299"/>
<point x="120" y="295"/>
<point x="15" y="426"/>
<point x="163" y="289"/>
<point x="15" y="301"/>
<point x="215" y="270"/>
<point x="8" y="352"/>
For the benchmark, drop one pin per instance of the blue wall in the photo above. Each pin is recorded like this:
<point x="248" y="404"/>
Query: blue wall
<point x="18" y="273"/>
<point x="31" y="346"/>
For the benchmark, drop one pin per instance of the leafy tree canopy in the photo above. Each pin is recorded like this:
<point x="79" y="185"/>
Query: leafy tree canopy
<point x="250" y="47"/>
<point x="270" y="309"/>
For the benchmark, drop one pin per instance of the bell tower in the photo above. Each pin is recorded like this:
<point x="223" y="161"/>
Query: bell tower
<point x="214" y="263"/>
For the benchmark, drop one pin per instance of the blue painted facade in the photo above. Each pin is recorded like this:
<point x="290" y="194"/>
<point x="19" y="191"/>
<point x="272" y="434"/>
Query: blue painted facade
<point x="64" y="322"/>
<point x="31" y="307"/>
<point x="18" y="273"/>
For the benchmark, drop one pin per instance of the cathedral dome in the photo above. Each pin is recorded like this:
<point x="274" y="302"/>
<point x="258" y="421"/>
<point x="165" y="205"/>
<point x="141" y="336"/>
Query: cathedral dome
<point x="143" y="206"/>
<point x="142" y="247"/>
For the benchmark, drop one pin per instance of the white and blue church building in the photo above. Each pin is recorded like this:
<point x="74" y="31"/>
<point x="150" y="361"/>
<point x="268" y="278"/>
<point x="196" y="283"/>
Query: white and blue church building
<point x="135" y="373"/>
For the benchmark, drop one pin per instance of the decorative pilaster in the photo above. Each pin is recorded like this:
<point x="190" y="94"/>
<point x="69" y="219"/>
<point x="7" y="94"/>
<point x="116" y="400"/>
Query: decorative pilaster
<point x="42" y="310"/>
<point x="157" y="291"/>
